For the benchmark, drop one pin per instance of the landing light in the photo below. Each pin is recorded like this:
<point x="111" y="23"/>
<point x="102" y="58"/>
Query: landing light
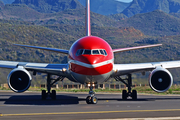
<point x="115" y="70"/>
<point x="64" y="69"/>
<point x="91" y="84"/>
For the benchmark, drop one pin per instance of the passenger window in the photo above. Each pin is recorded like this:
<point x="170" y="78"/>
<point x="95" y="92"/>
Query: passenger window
<point x="95" y="52"/>
<point x="87" y="52"/>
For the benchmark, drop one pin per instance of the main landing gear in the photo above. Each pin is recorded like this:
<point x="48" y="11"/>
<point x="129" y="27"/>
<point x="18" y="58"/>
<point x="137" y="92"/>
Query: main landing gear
<point x="52" y="94"/>
<point x="125" y="93"/>
<point x="91" y="99"/>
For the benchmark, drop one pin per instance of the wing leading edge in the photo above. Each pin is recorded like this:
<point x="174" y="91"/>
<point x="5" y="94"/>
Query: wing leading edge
<point x="45" y="48"/>
<point x="56" y="69"/>
<point x="134" y="48"/>
<point x="124" y="69"/>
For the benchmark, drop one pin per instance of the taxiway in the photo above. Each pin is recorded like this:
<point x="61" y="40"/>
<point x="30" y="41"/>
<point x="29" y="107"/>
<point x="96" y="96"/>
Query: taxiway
<point x="69" y="106"/>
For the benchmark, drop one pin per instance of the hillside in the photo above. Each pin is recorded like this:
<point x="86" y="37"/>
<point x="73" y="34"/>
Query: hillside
<point x="72" y="17"/>
<point x="50" y="6"/>
<point x="154" y="23"/>
<point x="108" y="33"/>
<point x="144" y="6"/>
<point x="19" y="12"/>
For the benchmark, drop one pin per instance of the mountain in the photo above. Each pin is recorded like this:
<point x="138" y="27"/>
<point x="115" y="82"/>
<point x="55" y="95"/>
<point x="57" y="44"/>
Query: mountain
<point x="144" y="6"/>
<point x="156" y="23"/>
<point x="71" y="16"/>
<point x="7" y="1"/>
<point x="50" y="6"/>
<point x="106" y="7"/>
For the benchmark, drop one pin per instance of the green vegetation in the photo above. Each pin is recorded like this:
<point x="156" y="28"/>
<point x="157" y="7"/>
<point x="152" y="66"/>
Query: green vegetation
<point x="175" y="89"/>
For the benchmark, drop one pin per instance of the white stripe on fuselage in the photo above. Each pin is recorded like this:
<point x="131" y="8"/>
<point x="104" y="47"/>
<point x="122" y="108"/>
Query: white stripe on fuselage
<point x="91" y="65"/>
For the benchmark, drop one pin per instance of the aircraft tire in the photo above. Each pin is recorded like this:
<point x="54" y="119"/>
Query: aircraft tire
<point x="53" y="94"/>
<point x="134" y="95"/>
<point x="124" y="95"/>
<point x="88" y="100"/>
<point x="43" y="94"/>
<point x="94" y="100"/>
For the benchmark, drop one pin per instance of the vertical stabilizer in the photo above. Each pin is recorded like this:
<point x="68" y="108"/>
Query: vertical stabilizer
<point x="88" y="23"/>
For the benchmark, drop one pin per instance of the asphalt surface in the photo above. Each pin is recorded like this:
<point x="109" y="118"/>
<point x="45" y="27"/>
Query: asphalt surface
<point x="70" y="106"/>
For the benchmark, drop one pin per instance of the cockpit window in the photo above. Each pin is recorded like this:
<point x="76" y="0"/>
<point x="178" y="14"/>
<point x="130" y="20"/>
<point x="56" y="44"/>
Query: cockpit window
<point x="102" y="52"/>
<point x="79" y="52"/>
<point x="95" y="52"/>
<point x="105" y="52"/>
<point x="91" y="52"/>
<point x="87" y="52"/>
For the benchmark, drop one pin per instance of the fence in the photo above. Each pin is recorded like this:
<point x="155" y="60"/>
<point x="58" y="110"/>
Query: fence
<point x="81" y="86"/>
<point x="97" y="86"/>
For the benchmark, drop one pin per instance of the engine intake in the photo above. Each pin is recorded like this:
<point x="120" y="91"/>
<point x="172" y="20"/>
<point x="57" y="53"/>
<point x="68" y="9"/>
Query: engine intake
<point x="19" y="80"/>
<point x="160" y="80"/>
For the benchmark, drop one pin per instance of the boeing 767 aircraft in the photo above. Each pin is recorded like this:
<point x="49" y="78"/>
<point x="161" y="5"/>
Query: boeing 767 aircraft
<point x="91" y="61"/>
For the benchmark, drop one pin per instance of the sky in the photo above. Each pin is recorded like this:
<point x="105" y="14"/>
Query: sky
<point x="125" y="1"/>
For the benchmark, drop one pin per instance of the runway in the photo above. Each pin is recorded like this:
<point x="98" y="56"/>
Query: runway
<point x="70" y="106"/>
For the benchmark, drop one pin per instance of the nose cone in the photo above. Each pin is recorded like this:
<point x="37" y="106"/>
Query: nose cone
<point x="93" y="59"/>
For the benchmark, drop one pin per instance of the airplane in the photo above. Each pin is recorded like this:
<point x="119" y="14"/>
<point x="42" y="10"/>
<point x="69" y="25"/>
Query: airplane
<point x="91" y="61"/>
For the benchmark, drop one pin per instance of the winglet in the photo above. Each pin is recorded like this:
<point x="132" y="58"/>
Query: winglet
<point x="88" y="22"/>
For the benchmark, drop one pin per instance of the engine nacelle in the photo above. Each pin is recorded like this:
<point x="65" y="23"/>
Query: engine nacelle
<point x="19" y="80"/>
<point x="160" y="80"/>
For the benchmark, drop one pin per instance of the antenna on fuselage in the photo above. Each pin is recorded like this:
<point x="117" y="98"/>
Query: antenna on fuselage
<point x="88" y="22"/>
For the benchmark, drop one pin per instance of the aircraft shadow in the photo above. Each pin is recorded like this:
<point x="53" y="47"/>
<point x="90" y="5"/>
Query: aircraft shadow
<point x="36" y="100"/>
<point x="140" y="99"/>
<point x="67" y="100"/>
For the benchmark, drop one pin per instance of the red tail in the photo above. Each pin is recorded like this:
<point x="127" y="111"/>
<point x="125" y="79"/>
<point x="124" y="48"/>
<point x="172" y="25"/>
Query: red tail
<point x="88" y="23"/>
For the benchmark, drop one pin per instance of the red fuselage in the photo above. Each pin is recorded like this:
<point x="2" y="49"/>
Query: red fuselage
<point x="91" y="60"/>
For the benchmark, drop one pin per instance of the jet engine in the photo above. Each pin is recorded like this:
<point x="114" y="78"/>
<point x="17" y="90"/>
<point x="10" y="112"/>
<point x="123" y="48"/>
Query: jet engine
<point x="160" y="80"/>
<point x="19" y="80"/>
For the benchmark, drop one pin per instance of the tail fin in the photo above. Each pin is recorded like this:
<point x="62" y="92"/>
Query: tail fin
<point x="88" y="23"/>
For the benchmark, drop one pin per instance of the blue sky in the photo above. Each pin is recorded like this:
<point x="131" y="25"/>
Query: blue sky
<point x="125" y="0"/>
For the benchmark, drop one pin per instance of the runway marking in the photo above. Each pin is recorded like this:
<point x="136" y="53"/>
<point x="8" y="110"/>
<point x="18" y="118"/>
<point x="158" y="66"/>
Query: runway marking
<point x="90" y="112"/>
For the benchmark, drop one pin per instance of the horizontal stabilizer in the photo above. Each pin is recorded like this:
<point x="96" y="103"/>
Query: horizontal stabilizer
<point x="134" y="48"/>
<point x="44" y="48"/>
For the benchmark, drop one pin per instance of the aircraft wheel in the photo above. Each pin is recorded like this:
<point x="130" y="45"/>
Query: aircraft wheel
<point x="134" y="95"/>
<point x="88" y="100"/>
<point x="124" y="95"/>
<point x="43" y="94"/>
<point x="53" y="95"/>
<point x="94" y="100"/>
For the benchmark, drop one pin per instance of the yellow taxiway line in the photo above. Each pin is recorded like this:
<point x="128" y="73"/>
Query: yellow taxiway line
<point x="91" y="112"/>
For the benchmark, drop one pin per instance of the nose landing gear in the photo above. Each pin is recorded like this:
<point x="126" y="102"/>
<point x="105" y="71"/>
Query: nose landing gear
<point x="91" y="99"/>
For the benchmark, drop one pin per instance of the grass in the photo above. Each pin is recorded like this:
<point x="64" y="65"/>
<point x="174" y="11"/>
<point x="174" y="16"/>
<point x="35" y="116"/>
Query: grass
<point x="175" y="89"/>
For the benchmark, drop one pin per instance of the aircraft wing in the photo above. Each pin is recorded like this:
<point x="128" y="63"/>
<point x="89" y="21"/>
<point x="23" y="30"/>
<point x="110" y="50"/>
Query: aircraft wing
<point x="134" y="48"/>
<point x="57" y="69"/>
<point x="44" y="48"/>
<point x="124" y="69"/>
